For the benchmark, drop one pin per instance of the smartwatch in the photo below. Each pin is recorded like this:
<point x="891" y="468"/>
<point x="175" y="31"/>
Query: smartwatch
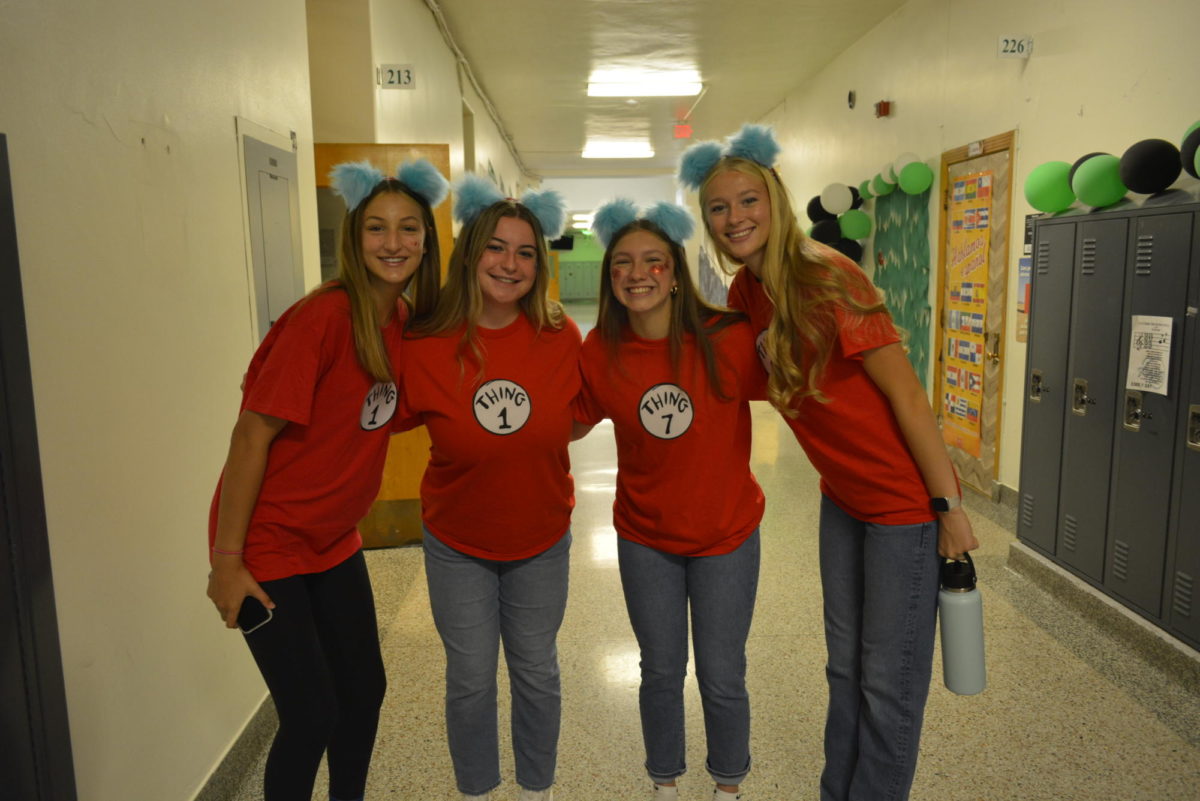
<point x="945" y="504"/>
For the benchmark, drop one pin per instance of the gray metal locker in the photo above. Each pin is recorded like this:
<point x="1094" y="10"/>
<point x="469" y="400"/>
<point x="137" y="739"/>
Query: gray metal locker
<point x="1045" y="387"/>
<point x="1144" y="446"/>
<point x="1182" y="612"/>
<point x="1096" y="304"/>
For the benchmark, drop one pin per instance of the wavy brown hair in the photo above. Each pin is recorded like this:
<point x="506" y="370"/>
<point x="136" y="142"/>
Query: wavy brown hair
<point x="460" y="301"/>
<point x="806" y="285"/>
<point x="690" y="313"/>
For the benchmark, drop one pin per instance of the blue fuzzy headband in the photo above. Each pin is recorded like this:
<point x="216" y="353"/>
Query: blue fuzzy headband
<point x="754" y="143"/>
<point x="355" y="180"/>
<point x="672" y="220"/>
<point x="474" y="193"/>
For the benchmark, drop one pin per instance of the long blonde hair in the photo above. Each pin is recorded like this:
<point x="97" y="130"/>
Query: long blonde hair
<point x="460" y="302"/>
<point x="421" y="291"/>
<point x="806" y="286"/>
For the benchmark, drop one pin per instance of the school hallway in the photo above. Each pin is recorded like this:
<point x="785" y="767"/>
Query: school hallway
<point x="1082" y="703"/>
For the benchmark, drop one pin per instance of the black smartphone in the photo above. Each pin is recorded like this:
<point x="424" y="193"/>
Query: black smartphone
<point x="253" y="615"/>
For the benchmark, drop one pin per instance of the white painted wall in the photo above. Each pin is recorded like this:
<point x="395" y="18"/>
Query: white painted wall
<point x="1104" y="74"/>
<point x="120" y="123"/>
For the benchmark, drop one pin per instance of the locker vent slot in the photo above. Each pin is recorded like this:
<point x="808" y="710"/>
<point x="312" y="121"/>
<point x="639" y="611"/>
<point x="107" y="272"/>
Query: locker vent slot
<point x="1182" y="597"/>
<point x="1145" y="254"/>
<point x="1070" y="531"/>
<point x="1120" y="564"/>
<point x="1087" y="259"/>
<point x="1043" y="258"/>
<point x="1026" y="510"/>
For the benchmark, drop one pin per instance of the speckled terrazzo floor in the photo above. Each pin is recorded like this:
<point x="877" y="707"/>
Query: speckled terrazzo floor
<point x="1070" y="711"/>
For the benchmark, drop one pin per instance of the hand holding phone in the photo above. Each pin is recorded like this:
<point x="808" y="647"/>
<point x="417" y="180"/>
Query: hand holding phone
<point x="253" y="615"/>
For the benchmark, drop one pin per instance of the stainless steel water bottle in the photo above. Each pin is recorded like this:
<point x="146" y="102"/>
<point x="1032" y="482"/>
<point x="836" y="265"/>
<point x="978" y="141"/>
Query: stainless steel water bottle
<point x="960" y="608"/>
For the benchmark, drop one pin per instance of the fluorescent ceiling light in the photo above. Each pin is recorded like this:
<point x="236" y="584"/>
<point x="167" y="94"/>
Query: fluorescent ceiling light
<point x="582" y="217"/>
<point x="629" y="83"/>
<point x="618" y="150"/>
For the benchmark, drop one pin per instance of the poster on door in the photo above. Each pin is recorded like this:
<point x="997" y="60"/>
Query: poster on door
<point x="970" y="215"/>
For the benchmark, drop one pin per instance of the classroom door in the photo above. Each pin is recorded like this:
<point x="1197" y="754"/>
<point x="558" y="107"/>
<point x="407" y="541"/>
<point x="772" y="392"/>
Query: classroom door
<point x="976" y="183"/>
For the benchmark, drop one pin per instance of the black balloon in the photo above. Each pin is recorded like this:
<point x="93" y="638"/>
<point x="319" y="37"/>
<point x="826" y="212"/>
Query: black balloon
<point x="817" y="212"/>
<point x="850" y="248"/>
<point x="1150" y="166"/>
<point x="827" y="231"/>
<point x="1187" y="153"/>
<point x="858" y="199"/>
<point x="1078" y="161"/>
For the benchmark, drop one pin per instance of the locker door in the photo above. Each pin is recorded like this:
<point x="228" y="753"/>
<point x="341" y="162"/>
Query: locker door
<point x="1183" y="604"/>
<point x="1045" y="383"/>
<point x="1145" y="444"/>
<point x="1097" y="296"/>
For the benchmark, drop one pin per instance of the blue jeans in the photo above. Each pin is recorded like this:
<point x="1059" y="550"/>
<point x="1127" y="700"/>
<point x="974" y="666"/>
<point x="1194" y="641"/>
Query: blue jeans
<point x="880" y="586"/>
<point x="721" y="589"/>
<point x="477" y="604"/>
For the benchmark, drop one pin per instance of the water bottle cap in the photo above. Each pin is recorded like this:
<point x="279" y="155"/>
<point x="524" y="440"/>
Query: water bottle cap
<point x="959" y="576"/>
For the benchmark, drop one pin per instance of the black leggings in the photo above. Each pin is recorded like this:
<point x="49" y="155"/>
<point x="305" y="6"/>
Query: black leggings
<point x="320" y="658"/>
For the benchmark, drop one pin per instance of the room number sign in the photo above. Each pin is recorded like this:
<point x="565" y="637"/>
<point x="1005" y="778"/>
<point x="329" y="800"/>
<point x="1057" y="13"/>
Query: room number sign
<point x="397" y="76"/>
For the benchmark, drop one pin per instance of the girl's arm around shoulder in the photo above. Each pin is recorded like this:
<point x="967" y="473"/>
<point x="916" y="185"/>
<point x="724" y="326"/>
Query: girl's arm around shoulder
<point x="889" y="368"/>
<point x="739" y="349"/>
<point x="230" y="582"/>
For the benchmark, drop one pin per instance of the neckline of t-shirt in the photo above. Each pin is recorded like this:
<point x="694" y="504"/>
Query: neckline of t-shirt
<point x="508" y="330"/>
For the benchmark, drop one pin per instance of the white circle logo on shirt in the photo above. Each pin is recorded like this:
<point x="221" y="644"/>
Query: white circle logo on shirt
<point x="501" y="406"/>
<point x="666" y="411"/>
<point x="760" y="345"/>
<point x="378" y="407"/>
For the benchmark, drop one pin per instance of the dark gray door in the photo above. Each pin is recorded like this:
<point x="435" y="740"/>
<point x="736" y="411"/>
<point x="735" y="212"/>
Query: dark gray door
<point x="1092" y="393"/>
<point x="1140" y="501"/>
<point x="1045" y="387"/>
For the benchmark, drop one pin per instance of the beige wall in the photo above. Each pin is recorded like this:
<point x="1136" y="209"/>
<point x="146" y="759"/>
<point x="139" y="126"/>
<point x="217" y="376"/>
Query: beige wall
<point x="120" y="123"/>
<point x="1103" y="75"/>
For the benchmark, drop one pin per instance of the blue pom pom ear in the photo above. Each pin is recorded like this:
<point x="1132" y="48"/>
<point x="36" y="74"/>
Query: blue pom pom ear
<point x="550" y="208"/>
<point x="612" y="217"/>
<point x="354" y="180"/>
<point x="424" y="179"/>
<point x="697" y="162"/>
<point x="755" y="143"/>
<point x="675" y="221"/>
<point x="472" y="194"/>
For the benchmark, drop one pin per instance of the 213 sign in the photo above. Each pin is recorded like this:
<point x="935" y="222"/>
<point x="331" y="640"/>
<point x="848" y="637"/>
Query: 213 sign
<point x="397" y="76"/>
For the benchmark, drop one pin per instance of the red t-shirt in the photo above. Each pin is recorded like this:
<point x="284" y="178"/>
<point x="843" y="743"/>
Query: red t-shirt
<point x="498" y="485"/>
<point x="853" y="440"/>
<point x="684" y="484"/>
<point x="324" y="467"/>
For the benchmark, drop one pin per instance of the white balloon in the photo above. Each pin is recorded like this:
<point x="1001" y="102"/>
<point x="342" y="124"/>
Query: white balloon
<point x="888" y="175"/>
<point x="903" y="160"/>
<point x="837" y="198"/>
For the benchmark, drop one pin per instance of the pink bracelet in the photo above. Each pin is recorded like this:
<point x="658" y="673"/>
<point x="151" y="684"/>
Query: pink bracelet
<point x="217" y="550"/>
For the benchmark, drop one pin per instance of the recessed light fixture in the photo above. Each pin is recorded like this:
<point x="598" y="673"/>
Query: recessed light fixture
<point x="618" y="150"/>
<point x="633" y="83"/>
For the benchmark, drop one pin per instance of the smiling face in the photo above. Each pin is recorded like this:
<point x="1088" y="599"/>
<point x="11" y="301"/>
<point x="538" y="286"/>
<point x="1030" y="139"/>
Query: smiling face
<point x="737" y="211"/>
<point x="393" y="240"/>
<point x="642" y="273"/>
<point x="506" y="271"/>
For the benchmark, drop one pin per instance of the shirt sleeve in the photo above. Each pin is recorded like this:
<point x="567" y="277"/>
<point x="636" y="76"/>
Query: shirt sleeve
<point x="283" y="376"/>
<point x="587" y="409"/>
<point x="858" y="331"/>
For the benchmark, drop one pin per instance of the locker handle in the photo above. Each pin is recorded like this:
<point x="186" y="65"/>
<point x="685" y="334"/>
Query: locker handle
<point x="1193" y="427"/>
<point x="1133" y="411"/>
<point x="1036" y="386"/>
<point x="1080" y="400"/>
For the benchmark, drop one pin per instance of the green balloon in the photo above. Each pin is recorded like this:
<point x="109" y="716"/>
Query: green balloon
<point x="1047" y="189"/>
<point x="880" y="186"/>
<point x="855" y="224"/>
<point x="1097" y="182"/>
<point x="916" y="177"/>
<point x="1191" y="128"/>
<point x="864" y="189"/>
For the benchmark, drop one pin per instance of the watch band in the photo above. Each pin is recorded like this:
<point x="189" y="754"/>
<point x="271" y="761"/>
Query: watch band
<point x="945" y="504"/>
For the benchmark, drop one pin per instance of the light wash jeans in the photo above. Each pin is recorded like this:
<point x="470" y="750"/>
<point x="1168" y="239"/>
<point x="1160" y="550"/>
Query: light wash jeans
<point x="880" y="586"/>
<point x="721" y="590"/>
<point x="477" y="604"/>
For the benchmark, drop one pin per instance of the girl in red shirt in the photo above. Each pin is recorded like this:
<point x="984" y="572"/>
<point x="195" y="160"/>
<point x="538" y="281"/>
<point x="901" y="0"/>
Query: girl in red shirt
<point x="493" y="372"/>
<point x="675" y="375"/>
<point x="304" y="465"/>
<point x="891" y="501"/>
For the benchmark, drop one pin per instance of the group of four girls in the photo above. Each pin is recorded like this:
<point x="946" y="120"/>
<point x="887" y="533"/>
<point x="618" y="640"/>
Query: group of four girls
<point x="503" y="382"/>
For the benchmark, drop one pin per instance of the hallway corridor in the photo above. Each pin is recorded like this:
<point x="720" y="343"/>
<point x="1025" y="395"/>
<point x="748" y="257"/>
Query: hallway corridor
<point x="1068" y="714"/>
